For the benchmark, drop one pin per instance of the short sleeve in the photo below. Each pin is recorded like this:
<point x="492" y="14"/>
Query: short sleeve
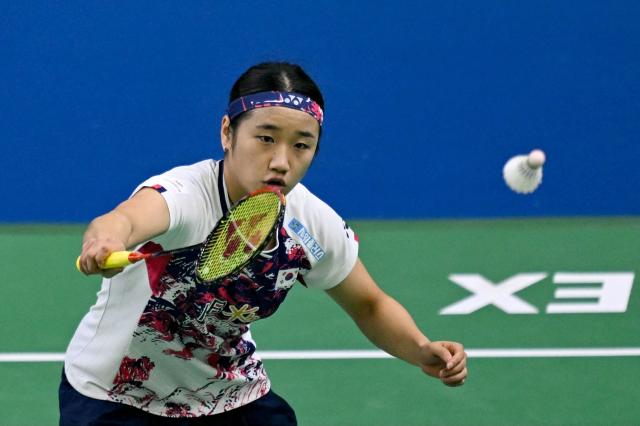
<point x="187" y="191"/>
<point x="329" y="243"/>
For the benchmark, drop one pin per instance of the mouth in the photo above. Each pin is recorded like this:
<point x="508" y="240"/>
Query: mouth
<point x="278" y="183"/>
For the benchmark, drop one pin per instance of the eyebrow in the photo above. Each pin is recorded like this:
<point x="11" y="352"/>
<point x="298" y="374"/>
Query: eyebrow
<point x="268" y="126"/>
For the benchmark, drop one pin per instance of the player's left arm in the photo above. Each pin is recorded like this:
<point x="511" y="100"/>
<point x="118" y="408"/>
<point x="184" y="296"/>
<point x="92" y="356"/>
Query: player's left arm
<point x="390" y="327"/>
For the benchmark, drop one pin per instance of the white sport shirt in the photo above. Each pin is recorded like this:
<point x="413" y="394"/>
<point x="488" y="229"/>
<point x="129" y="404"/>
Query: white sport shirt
<point x="160" y="340"/>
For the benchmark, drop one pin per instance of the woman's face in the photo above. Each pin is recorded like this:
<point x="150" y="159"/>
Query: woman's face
<point x="271" y="146"/>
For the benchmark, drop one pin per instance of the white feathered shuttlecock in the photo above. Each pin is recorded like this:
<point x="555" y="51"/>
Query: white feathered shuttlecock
<point x="523" y="173"/>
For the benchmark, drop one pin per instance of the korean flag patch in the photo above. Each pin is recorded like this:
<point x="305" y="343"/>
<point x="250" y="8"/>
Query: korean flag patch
<point x="286" y="278"/>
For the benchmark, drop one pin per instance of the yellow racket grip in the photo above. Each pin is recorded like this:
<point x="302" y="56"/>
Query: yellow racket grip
<point x="117" y="259"/>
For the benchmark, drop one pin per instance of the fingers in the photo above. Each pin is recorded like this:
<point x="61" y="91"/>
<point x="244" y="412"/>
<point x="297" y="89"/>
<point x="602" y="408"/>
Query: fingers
<point x="441" y="352"/>
<point x="454" y="379"/>
<point x="456" y="375"/>
<point x="450" y="363"/>
<point x="94" y="253"/>
<point x="457" y="351"/>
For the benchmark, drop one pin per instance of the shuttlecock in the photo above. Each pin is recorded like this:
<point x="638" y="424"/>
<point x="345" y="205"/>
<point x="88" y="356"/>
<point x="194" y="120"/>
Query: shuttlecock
<point x="523" y="173"/>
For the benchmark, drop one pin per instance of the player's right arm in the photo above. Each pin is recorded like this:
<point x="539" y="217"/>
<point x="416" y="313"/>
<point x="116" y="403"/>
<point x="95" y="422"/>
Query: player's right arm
<point x="138" y="219"/>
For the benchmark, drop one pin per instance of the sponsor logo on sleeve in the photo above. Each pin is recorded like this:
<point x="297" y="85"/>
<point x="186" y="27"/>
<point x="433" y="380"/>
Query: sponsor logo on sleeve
<point x="307" y="239"/>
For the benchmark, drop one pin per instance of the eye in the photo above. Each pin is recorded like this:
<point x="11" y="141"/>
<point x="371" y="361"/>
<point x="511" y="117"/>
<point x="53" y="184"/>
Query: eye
<point x="265" y="139"/>
<point x="302" y="146"/>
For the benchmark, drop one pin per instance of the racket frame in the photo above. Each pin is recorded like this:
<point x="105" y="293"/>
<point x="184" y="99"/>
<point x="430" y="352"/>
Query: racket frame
<point x="259" y="248"/>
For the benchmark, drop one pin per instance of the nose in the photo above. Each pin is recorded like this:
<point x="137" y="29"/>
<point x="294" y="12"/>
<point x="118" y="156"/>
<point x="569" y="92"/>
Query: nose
<point x="280" y="159"/>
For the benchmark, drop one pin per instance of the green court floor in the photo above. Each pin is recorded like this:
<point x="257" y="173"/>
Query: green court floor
<point x="414" y="262"/>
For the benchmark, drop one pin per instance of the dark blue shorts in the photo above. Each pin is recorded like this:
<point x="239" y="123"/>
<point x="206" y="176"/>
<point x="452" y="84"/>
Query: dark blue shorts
<point x="79" y="410"/>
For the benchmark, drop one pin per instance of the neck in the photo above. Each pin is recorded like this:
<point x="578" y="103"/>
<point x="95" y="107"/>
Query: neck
<point x="233" y="191"/>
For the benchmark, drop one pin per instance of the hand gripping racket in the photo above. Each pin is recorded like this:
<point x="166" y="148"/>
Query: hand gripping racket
<point x="239" y="236"/>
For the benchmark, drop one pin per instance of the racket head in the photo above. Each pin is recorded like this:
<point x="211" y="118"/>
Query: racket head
<point x="241" y="234"/>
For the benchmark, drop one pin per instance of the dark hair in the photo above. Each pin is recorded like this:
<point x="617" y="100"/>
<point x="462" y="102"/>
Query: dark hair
<point x="274" y="76"/>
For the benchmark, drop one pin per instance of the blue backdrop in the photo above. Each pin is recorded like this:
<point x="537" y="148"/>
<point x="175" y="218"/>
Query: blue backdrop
<point x="425" y="100"/>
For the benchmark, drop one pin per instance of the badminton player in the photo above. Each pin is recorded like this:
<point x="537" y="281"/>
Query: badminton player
<point x="161" y="347"/>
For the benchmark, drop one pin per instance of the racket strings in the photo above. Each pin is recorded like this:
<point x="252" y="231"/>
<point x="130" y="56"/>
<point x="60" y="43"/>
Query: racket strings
<point x="245" y="230"/>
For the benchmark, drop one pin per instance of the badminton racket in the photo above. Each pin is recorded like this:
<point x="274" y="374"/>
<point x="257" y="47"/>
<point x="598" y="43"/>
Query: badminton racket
<point x="238" y="237"/>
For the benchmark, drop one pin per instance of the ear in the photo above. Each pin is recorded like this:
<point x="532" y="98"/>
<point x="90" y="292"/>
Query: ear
<point x="225" y="134"/>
